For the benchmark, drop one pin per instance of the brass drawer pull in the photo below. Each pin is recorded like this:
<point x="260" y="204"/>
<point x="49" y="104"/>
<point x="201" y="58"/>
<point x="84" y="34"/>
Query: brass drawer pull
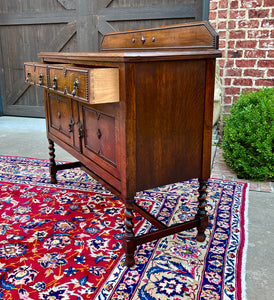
<point x="41" y="78"/>
<point x="54" y="86"/>
<point x="28" y="76"/>
<point x="99" y="133"/>
<point x="80" y="131"/>
<point x="71" y="125"/>
<point x="143" y="39"/>
<point x="75" y="87"/>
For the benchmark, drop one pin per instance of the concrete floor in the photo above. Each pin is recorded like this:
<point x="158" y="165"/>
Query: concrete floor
<point x="27" y="137"/>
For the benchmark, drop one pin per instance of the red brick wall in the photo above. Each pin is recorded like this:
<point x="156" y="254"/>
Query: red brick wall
<point x="246" y="33"/>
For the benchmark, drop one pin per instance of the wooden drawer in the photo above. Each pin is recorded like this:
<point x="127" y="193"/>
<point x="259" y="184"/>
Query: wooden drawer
<point x="69" y="81"/>
<point x="91" y="85"/>
<point x="36" y="73"/>
<point x="104" y="85"/>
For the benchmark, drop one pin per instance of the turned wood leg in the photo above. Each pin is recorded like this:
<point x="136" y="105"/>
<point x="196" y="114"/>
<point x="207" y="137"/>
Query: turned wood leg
<point x="129" y="243"/>
<point x="52" y="164"/>
<point x="201" y="213"/>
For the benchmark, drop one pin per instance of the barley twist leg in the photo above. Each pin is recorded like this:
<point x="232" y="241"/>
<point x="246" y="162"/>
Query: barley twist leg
<point x="52" y="164"/>
<point x="129" y="243"/>
<point x="201" y="213"/>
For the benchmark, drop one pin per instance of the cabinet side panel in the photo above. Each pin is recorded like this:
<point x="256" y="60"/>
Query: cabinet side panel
<point x="208" y="118"/>
<point x="170" y="117"/>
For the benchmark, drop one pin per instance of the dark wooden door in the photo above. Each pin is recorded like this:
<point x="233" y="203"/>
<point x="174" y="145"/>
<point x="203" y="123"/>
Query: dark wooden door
<point x="28" y="27"/>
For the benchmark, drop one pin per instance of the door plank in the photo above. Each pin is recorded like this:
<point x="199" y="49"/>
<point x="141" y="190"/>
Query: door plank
<point x="67" y="4"/>
<point x="104" y="26"/>
<point x="25" y="111"/>
<point x="17" y="92"/>
<point x="37" y="18"/>
<point x="64" y="35"/>
<point x="56" y="45"/>
<point x="148" y="12"/>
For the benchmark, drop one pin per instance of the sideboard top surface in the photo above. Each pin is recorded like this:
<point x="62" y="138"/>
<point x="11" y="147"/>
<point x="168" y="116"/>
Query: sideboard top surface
<point x="82" y="58"/>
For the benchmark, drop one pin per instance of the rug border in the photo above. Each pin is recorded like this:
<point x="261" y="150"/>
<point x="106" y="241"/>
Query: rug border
<point x="34" y="158"/>
<point x="242" y="259"/>
<point x="245" y="223"/>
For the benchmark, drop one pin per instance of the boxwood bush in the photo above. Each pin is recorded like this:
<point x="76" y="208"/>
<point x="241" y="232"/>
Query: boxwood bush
<point x="248" y="140"/>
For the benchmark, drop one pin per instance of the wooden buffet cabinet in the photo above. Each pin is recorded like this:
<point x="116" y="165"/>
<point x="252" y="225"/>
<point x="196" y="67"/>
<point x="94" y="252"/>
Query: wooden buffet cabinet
<point x="136" y="115"/>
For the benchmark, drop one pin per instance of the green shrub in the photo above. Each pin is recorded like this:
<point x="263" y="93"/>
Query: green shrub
<point x="248" y="140"/>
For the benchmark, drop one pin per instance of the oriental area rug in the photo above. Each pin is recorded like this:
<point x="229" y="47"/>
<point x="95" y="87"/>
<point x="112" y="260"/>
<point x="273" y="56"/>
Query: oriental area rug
<point x="64" y="241"/>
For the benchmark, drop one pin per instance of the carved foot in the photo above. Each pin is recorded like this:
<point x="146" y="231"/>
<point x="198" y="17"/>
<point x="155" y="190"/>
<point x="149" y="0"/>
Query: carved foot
<point x="201" y="229"/>
<point x="201" y="213"/>
<point x="200" y="237"/>
<point x="129" y="247"/>
<point x="129" y="237"/>
<point x="52" y="164"/>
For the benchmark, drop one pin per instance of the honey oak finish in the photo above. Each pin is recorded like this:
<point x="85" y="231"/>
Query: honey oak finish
<point x="137" y="115"/>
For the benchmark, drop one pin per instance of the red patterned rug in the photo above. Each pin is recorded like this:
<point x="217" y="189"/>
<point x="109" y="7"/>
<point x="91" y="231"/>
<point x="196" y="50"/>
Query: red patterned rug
<point x="64" y="241"/>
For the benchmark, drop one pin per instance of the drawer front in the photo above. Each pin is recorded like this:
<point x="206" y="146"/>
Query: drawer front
<point x="91" y="85"/>
<point x="99" y="140"/>
<point x="36" y="73"/>
<point x="59" y="115"/>
<point x="41" y="76"/>
<point x="57" y="79"/>
<point x="77" y="83"/>
<point x="69" y="81"/>
<point x="29" y="73"/>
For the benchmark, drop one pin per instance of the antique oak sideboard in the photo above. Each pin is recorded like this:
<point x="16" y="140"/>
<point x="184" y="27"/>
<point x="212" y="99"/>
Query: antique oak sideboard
<point x="136" y="115"/>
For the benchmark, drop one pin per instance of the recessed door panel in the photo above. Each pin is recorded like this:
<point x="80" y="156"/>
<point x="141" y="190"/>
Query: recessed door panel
<point x="60" y="117"/>
<point x="99" y="139"/>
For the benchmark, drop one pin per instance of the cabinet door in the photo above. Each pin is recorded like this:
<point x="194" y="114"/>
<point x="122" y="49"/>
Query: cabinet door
<point x="99" y="139"/>
<point x="60" y="117"/>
